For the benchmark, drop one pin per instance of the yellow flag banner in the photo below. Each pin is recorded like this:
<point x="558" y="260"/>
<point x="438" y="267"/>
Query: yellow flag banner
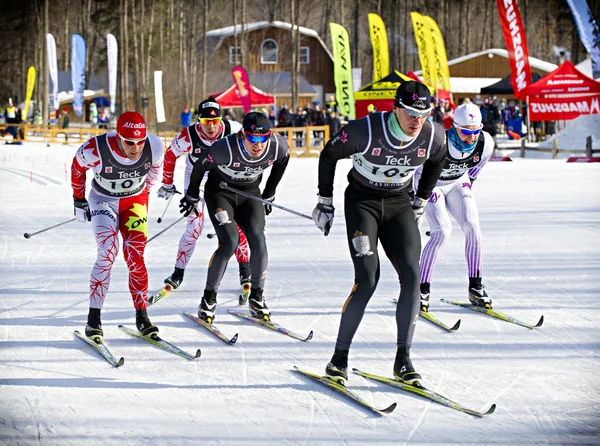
<point x="381" y="53"/>
<point x="342" y="70"/>
<point x="439" y="55"/>
<point x="30" y="85"/>
<point x="425" y="47"/>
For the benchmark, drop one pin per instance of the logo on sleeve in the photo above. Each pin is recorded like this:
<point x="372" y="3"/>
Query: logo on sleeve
<point x="376" y="151"/>
<point x="476" y="159"/>
<point x="147" y="166"/>
<point x="271" y="162"/>
<point x="421" y="153"/>
<point x="236" y="164"/>
<point x="108" y="169"/>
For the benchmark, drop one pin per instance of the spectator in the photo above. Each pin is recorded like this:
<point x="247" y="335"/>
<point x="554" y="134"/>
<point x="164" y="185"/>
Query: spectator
<point x="371" y="108"/>
<point x="334" y="123"/>
<point x="186" y="117"/>
<point x="64" y="123"/>
<point x="272" y="118"/>
<point x="299" y="120"/>
<point x="93" y="114"/>
<point x="437" y="114"/>
<point x="103" y="120"/>
<point x="284" y="117"/>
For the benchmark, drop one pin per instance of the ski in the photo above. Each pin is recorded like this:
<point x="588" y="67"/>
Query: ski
<point x="272" y="326"/>
<point x="493" y="313"/>
<point x="433" y="319"/>
<point x="213" y="329"/>
<point x="102" y="348"/>
<point x="425" y="393"/>
<point x="331" y="383"/>
<point x="161" y="294"/>
<point x="158" y="342"/>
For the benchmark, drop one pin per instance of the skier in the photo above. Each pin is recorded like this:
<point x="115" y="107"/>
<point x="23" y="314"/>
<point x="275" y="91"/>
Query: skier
<point x="239" y="160"/>
<point x="469" y="149"/>
<point x="126" y="165"/>
<point x="194" y="140"/>
<point x="386" y="149"/>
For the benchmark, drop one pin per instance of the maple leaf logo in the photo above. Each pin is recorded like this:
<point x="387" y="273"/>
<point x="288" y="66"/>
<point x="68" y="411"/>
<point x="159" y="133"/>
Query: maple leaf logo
<point x="344" y="137"/>
<point x="139" y="221"/>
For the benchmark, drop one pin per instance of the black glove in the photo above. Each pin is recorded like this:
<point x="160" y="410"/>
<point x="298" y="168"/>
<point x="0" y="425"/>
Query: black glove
<point x="419" y="208"/>
<point x="82" y="210"/>
<point x="188" y="204"/>
<point x="323" y="213"/>
<point x="268" y="207"/>
<point x="472" y="180"/>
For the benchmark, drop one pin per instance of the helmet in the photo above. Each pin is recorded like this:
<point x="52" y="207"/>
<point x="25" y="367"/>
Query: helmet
<point x="131" y="125"/>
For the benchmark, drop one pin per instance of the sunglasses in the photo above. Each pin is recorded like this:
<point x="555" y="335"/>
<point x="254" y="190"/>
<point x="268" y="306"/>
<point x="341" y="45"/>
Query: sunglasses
<point x="413" y="112"/>
<point x="133" y="142"/>
<point x="208" y="121"/>
<point x="255" y="139"/>
<point x="469" y="132"/>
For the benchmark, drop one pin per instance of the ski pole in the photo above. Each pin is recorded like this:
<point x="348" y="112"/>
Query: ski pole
<point x="224" y="185"/>
<point x="164" y="230"/>
<point x="166" y="207"/>
<point x="28" y="235"/>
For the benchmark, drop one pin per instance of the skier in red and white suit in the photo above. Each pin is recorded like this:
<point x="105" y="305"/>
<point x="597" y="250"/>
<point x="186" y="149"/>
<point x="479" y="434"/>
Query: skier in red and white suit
<point x="193" y="140"/>
<point x="126" y="164"/>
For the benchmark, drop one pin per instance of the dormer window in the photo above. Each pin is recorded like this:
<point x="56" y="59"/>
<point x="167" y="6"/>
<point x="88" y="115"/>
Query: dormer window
<point x="268" y="52"/>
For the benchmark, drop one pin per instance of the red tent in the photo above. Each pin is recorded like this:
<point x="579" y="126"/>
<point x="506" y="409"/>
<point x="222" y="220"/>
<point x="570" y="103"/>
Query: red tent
<point x="563" y="94"/>
<point x="230" y="97"/>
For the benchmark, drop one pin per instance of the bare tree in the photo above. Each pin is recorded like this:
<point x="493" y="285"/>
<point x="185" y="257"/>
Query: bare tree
<point x="204" y="48"/>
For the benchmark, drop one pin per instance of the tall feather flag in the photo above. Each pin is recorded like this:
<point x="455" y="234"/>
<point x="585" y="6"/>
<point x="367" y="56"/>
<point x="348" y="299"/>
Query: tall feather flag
<point x="158" y="95"/>
<point x="588" y="32"/>
<point x="342" y="70"/>
<point x="439" y="55"/>
<point x="425" y="47"/>
<point x="379" y="41"/>
<point x="53" y="69"/>
<point x="29" y="93"/>
<point x="78" y="72"/>
<point x="112" y="50"/>
<point x="242" y="83"/>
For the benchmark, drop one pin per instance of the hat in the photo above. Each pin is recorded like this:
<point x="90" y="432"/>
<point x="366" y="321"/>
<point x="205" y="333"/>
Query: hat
<point x="413" y="94"/>
<point x="131" y="125"/>
<point x="467" y="114"/>
<point x="209" y="108"/>
<point x="65" y="109"/>
<point x="256" y="123"/>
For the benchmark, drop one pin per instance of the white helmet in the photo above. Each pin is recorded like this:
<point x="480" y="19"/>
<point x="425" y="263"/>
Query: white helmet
<point x="467" y="114"/>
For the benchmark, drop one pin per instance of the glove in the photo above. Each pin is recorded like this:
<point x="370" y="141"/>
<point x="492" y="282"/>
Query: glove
<point x="166" y="191"/>
<point x="472" y="180"/>
<point x="419" y="207"/>
<point x="82" y="210"/>
<point x="268" y="207"/>
<point x="322" y="214"/>
<point x="188" y="204"/>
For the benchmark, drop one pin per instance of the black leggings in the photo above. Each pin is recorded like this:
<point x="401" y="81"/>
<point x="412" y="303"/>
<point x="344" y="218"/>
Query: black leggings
<point x="371" y="219"/>
<point x="249" y="214"/>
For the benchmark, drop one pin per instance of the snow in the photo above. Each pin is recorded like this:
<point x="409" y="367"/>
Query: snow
<point x="574" y="135"/>
<point x="540" y="221"/>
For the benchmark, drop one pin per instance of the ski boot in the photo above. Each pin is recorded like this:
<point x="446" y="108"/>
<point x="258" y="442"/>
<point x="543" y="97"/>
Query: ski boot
<point x="258" y="306"/>
<point x="403" y="368"/>
<point x="143" y="324"/>
<point x="93" y="329"/>
<point x="245" y="282"/>
<point x="176" y="278"/>
<point x="208" y="306"/>
<point x="477" y="295"/>
<point x="425" y="297"/>
<point x="337" y="368"/>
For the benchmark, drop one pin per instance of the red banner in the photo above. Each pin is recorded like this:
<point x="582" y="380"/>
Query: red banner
<point x="516" y="45"/>
<point x="242" y="83"/>
<point x="554" y="109"/>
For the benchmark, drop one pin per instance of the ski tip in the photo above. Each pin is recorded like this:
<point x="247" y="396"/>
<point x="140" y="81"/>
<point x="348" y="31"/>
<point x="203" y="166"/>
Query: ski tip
<point x="234" y="339"/>
<point x="456" y="326"/>
<point x="540" y="322"/>
<point x="198" y="354"/>
<point x="309" y="337"/>
<point x="120" y="362"/>
<point x="389" y="409"/>
<point x="491" y="409"/>
<point x="77" y="332"/>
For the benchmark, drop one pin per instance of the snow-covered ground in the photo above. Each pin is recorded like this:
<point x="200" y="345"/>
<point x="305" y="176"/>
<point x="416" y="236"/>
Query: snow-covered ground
<point x="540" y="220"/>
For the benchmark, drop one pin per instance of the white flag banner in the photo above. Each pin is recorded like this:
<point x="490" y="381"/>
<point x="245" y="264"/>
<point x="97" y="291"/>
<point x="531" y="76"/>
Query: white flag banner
<point x="53" y="69"/>
<point x="158" y="97"/>
<point x="113" y="53"/>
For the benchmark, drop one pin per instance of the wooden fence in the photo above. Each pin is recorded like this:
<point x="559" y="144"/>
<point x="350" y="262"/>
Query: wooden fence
<point x="589" y="151"/>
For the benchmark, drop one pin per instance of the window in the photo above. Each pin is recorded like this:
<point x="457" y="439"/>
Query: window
<point x="304" y="55"/>
<point x="232" y="51"/>
<point x="268" y="52"/>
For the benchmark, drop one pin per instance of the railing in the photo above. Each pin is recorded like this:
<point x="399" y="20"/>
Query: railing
<point x="589" y="151"/>
<point x="303" y="141"/>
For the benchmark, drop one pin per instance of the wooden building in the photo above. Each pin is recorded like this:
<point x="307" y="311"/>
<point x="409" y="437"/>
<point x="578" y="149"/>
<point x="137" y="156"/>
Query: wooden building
<point x="268" y="51"/>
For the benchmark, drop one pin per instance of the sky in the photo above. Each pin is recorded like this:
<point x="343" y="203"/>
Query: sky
<point x="540" y="220"/>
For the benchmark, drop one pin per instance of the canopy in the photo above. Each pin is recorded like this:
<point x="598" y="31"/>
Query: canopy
<point x="566" y="79"/>
<point x="504" y="86"/>
<point x="230" y="97"/>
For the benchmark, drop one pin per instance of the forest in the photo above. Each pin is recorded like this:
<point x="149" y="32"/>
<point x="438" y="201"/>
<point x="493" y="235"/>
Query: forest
<point x="167" y="35"/>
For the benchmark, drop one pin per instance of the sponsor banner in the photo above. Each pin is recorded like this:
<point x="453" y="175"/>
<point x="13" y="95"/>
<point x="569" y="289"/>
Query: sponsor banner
<point x="113" y="54"/>
<point x="29" y="93"/>
<point x="53" y="70"/>
<point x="439" y="55"/>
<point x="342" y="70"/>
<point x="516" y="45"/>
<point x="78" y="72"/>
<point x="554" y="109"/>
<point x="588" y="32"/>
<point x="425" y="47"/>
<point x="158" y="97"/>
<point x="379" y="41"/>
<point x="242" y="84"/>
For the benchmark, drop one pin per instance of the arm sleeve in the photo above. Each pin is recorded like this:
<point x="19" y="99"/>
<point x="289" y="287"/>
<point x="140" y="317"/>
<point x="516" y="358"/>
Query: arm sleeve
<point x="204" y="164"/>
<point x="278" y="170"/>
<point x="432" y="168"/>
<point x="87" y="157"/>
<point x="345" y="143"/>
<point x="488" y="149"/>
<point x="180" y="145"/>
<point x="158" y="150"/>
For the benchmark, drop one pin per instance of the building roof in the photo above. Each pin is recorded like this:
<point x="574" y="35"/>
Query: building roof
<point x="237" y="29"/>
<point x="273" y="83"/>
<point x="471" y="85"/>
